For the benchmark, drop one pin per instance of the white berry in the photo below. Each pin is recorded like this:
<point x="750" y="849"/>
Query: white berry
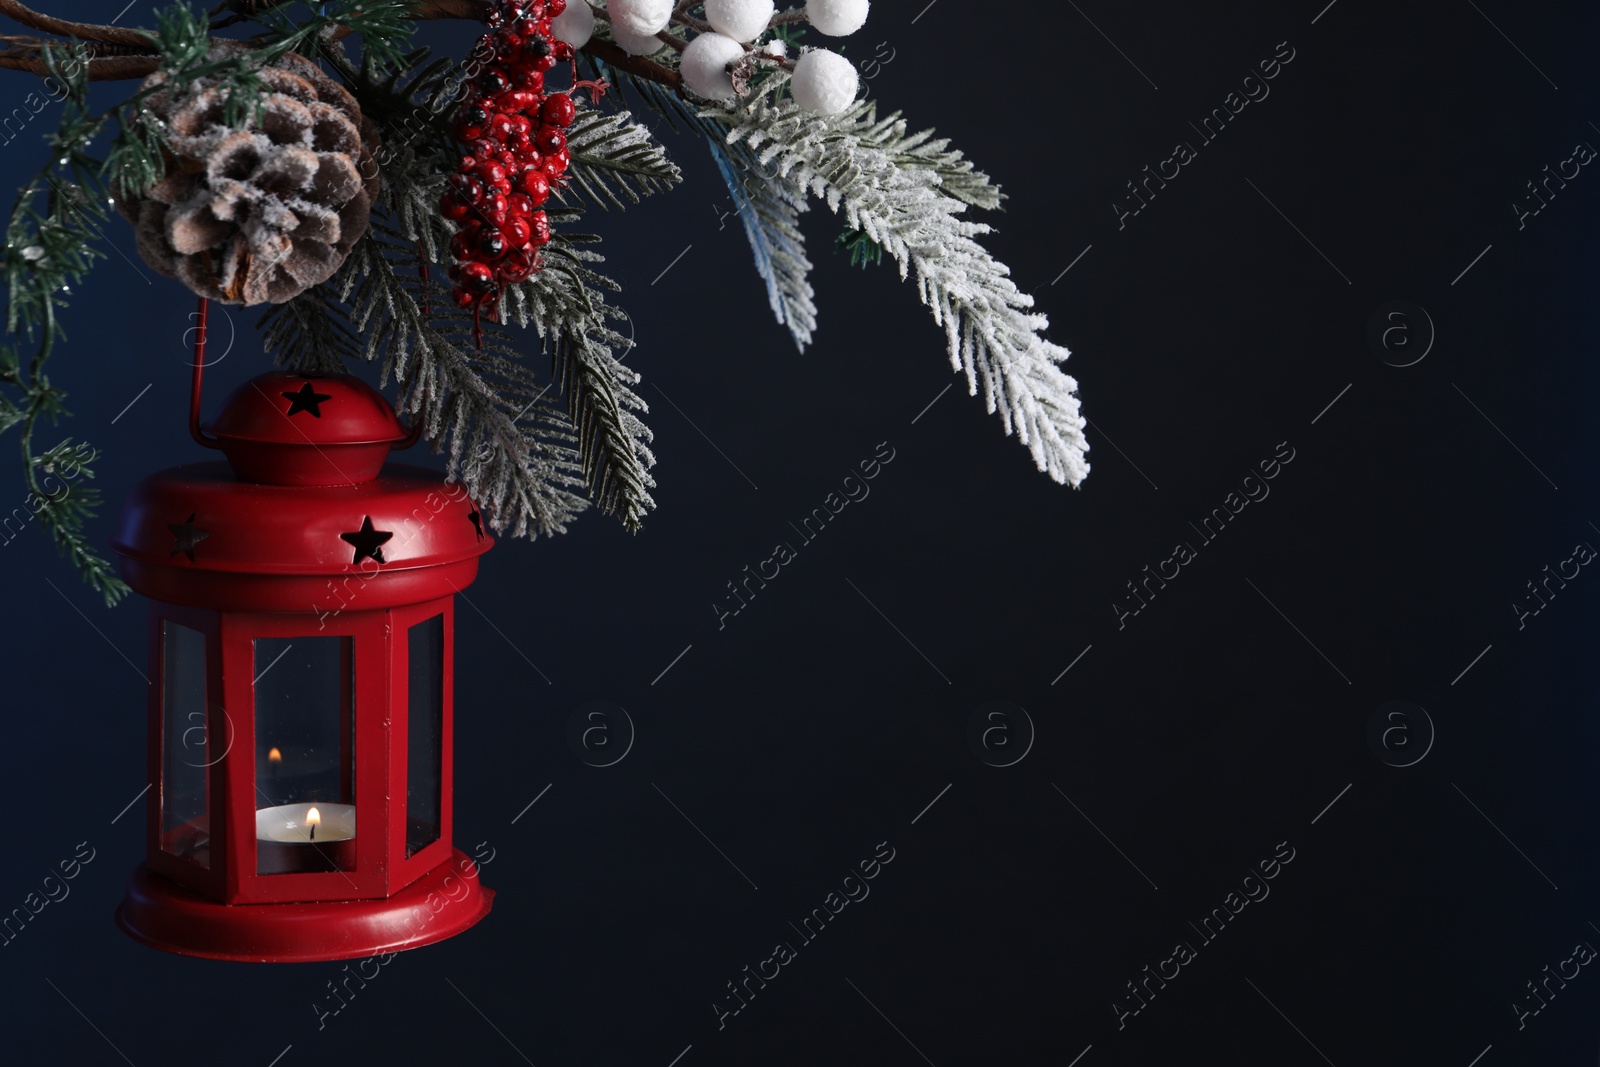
<point x="743" y="20"/>
<point x="640" y="17"/>
<point x="704" y="65"/>
<point x="836" y="18"/>
<point x="575" y="25"/>
<point x="824" y="82"/>
<point x="636" y="44"/>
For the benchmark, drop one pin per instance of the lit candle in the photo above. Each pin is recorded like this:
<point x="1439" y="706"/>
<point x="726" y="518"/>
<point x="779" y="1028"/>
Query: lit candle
<point x="294" y="838"/>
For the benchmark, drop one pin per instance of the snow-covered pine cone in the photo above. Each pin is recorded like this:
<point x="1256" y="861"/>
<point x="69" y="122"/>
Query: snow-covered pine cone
<point x="261" y="213"/>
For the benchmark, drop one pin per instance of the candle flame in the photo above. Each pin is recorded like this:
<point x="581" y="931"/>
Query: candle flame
<point x="313" y="818"/>
<point x="274" y="756"/>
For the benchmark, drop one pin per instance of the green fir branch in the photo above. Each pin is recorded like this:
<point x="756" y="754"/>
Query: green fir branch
<point x="50" y="238"/>
<point x="863" y="250"/>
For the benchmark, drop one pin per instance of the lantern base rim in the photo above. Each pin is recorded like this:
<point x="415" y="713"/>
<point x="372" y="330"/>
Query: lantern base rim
<point x="164" y="914"/>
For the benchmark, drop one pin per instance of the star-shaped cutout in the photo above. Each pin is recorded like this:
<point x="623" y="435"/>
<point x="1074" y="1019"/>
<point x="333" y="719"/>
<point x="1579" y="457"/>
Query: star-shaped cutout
<point x="476" y="519"/>
<point x="188" y="535"/>
<point x="367" y="541"/>
<point x="305" y="399"/>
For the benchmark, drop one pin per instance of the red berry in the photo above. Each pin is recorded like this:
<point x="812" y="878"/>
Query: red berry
<point x="500" y="128"/>
<point x="469" y="188"/>
<point x="452" y="207"/>
<point x="464" y="299"/>
<point x="461" y="245"/>
<point x="556" y="165"/>
<point x="536" y="185"/>
<point x="491" y="171"/>
<point x="558" y="110"/>
<point x="553" y="8"/>
<point x="517" y="231"/>
<point x="517" y="101"/>
<point x="494" y="80"/>
<point x="539" y="224"/>
<point x="507" y="45"/>
<point x="563" y="51"/>
<point x="528" y="78"/>
<point x="520" y="124"/>
<point x="477" y="277"/>
<point x="494" y="208"/>
<point x="518" y="206"/>
<point x="492" y="243"/>
<point x="549" y="140"/>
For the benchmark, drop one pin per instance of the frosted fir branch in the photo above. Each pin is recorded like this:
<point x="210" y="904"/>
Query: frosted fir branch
<point x="310" y="333"/>
<point x="566" y="306"/>
<point x="770" y="211"/>
<point x="991" y="334"/>
<point x="503" y="437"/>
<point x="612" y="154"/>
<point x="958" y="177"/>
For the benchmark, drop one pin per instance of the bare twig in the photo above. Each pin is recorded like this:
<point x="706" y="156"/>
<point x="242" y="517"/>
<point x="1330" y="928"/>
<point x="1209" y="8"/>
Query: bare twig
<point x="82" y="31"/>
<point x="26" y="56"/>
<point x="608" y="53"/>
<point x="109" y="68"/>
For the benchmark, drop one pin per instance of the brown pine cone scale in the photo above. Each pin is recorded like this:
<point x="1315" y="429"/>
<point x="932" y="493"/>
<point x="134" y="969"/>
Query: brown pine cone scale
<point x="261" y="213"/>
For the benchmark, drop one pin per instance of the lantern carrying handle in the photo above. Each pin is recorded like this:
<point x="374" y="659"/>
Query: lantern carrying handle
<point x="195" y="431"/>
<point x="412" y="436"/>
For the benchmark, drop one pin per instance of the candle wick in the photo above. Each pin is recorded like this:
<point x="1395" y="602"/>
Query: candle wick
<point x="313" y="831"/>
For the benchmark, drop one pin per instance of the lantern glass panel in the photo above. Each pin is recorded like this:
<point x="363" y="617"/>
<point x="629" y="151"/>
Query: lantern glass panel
<point x="305" y="754"/>
<point x="425" y="733"/>
<point x="185" y="748"/>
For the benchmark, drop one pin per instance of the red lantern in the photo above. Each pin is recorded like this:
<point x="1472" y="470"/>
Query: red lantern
<point x="301" y="664"/>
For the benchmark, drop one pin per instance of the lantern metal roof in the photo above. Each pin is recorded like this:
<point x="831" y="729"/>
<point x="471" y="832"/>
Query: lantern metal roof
<point x="305" y="497"/>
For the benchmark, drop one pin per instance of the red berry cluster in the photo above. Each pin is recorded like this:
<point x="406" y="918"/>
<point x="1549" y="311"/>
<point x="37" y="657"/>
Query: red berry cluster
<point x="515" y="142"/>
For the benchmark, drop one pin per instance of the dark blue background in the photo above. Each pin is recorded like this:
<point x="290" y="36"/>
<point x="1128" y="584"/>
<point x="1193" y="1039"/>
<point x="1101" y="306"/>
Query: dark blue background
<point x="1196" y="739"/>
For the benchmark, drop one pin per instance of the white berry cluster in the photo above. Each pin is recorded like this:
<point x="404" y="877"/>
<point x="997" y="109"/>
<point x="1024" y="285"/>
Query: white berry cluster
<point x="823" y="82"/>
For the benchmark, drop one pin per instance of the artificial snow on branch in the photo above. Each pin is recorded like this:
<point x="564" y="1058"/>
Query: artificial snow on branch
<point x="769" y="208"/>
<point x="613" y="154"/>
<point x="504" y="438"/>
<point x="565" y="306"/>
<point x="853" y="163"/>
